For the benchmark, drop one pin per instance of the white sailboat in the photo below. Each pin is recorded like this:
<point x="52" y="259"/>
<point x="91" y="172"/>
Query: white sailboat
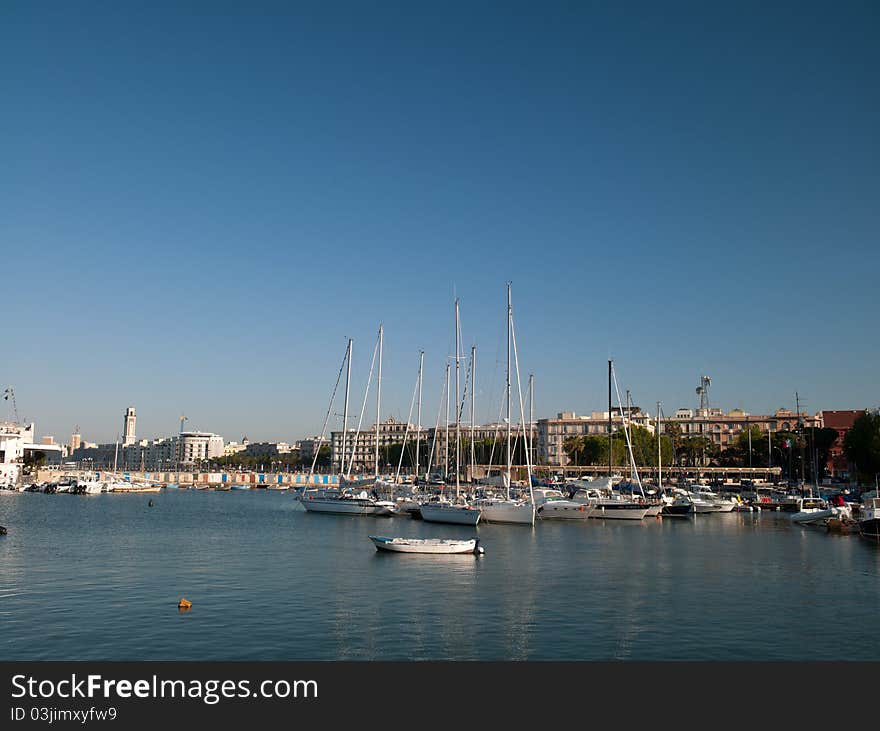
<point x="346" y="501"/>
<point x="443" y="510"/>
<point x="508" y="510"/>
<point x="606" y="503"/>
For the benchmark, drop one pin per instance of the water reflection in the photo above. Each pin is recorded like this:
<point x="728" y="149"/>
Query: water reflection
<point x="273" y="582"/>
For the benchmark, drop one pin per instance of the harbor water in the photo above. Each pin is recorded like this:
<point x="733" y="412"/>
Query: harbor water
<point x="99" y="578"/>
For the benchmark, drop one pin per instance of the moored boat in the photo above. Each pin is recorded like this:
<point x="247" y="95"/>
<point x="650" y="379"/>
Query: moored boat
<point x="499" y="510"/>
<point x="435" y="546"/>
<point x="869" y="517"/>
<point x="564" y="510"/>
<point x="446" y="512"/>
<point x="345" y="504"/>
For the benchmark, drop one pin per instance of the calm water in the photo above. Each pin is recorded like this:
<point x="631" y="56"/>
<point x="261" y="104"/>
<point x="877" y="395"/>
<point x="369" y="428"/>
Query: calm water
<point x="99" y="577"/>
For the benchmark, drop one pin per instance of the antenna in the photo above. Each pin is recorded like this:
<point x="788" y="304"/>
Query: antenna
<point x="9" y="393"/>
<point x="703" y="392"/>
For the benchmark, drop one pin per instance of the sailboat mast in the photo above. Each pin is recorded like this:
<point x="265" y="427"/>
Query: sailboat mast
<point x="610" y="425"/>
<point x="457" y="410"/>
<point x="419" y="417"/>
<point x="446" y="445"/>
<point x="473" y="409"/>
<point x="116" y="453"/>
<point x="659" y="455"/>
<point x="531" y="412"/>
<point x="507" y="396"/>
<point x="379" y="400"/>
<point x="628" y="415"/>
<point x="345" y="407"/>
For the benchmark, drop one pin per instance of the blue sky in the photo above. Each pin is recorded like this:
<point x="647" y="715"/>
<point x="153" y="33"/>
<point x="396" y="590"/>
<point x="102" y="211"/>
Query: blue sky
<point x="202" y="201"/>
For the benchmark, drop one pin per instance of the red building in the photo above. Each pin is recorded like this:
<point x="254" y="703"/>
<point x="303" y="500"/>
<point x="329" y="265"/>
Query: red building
<point x="842" y="422"/>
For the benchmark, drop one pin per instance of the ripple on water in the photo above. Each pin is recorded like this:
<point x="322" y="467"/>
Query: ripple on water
<point x="99" y="578"/>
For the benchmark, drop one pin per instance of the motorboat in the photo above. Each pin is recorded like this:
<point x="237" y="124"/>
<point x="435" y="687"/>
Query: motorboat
<point x="564" y="510"/>
<point x="816" y="511"/>
<point x="869" y="517"/>
<point x="708" y="501"/>
<point x="552" y="504"/>
<point x="120" y="486"/>
<point x="611" y="507"/>
<point x="88" y="487"/>
<point x="681" y="507"/>
<point x="346" y="503"/>
<point x="435" y="546"/>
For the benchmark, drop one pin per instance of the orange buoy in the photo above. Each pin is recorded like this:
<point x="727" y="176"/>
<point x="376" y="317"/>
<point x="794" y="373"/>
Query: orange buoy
<point x="184" y="603"/>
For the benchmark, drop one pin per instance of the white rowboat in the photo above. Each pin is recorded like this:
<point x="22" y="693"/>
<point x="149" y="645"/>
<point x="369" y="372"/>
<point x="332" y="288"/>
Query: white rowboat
<point x="427" y="545"/>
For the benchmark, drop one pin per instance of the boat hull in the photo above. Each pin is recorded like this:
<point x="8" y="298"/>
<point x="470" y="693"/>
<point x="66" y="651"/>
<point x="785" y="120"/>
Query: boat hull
<point x="432" y="546"/>
<point x="622" y="511"/>
<point x="344" y="507"/>
<point x="449" y="514"/>
<point x="677" y="511"/>
<point x="564" y="510"/>
<point x="870" y="529"/>
<point x="506" y="511"/>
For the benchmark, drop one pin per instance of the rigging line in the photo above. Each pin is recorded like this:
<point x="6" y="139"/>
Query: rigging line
<point x="436" y="430"/>
<point x="412" y="404"/>
<point x="495" y="431"/>
<point x="522" y="415"/>
<point x="327" y="417"/>
<point x="626" y="433"/>
<point x="363" y="406"/>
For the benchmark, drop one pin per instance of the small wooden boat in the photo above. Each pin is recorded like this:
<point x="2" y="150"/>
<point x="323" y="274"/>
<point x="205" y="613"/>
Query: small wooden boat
<point x="427" y="545"/>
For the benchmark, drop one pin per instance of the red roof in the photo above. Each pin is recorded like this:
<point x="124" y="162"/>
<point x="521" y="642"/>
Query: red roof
<point x="841" y="419"/>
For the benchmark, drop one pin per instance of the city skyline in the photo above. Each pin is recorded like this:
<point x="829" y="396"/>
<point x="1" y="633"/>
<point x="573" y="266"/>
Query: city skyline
<point x="201" y="209"/>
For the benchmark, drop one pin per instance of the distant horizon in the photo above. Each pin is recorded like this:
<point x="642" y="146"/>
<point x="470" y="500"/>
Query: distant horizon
<point x="202" y="206"/>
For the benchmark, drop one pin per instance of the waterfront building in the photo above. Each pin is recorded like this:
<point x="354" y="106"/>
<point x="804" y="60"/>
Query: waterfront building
<point x="724" y="429"/>
<point x="308" y="446"/>
<point x="266" y="449"/>
<point x="13" y="437"/>
<point x="164" y="453"/>
<point x="75" y="441"/>
<point x="552" y="433"/>
<point x="196" y="446"/>
<point x="232" y="448"/>
<point x="17" y="446"/>
<point x="841" y="421"/>
<point x="363" y="444"/>
<point x="150" y="454"/>
<point x="493" y="435"/>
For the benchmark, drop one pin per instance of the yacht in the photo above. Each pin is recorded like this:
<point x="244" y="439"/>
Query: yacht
<point x="680" y="507"/>
<point x="869" y="517"/>
<point x="345" y="503"/>
<point x="611" y="506"/>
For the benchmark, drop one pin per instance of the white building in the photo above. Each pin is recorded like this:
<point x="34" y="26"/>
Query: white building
<point x="196" y="446"/>
<point x="13" y="438"/>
